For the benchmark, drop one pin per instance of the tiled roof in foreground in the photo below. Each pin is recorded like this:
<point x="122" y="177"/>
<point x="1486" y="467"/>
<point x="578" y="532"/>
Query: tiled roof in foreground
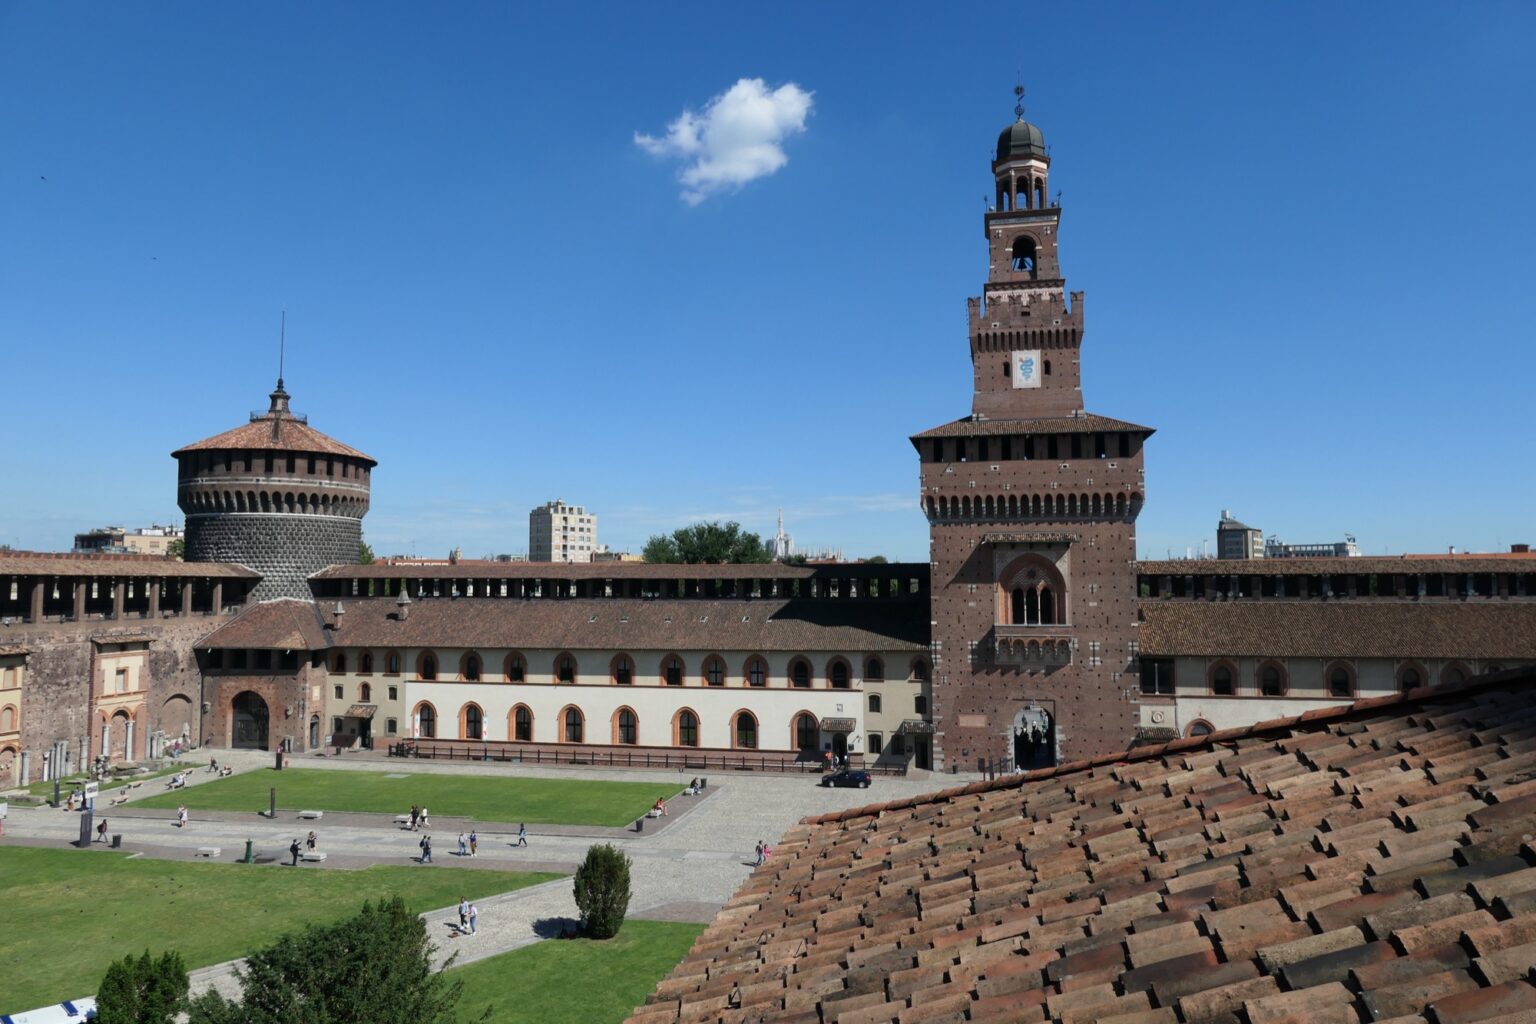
<point x="1364" y="863"/>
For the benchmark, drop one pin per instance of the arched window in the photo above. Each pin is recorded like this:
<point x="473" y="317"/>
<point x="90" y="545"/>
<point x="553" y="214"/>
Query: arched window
<point x="800" y="673"/>
<point x="341" y="662"/>
<point x="522" y="724"/>
<point x="1341" y="682"/>
<point x="1047" y="607"/>
<point x="365" y="664"/>
<point x="7" y="719"/>
<point x="1221" y="681"/>
<point x="392" y="663"/>
<point x="1272" y="681"/>
<point x="1453" y="675"/>
<point x="714" y="670"/>
<point x="686" y="729"/>
<point x="837" y="674"/>
<point x="757" y="671"/>
<point x="1199" y="727"/>
<point x="426" y="665"/>
<point x="874" y="703"/>
<point x="1024" y="255"/>
<point x="565" y="668"/>
<point x="807" y="731"/>
<point x="746" y="730"/>
<point x="515" y="668"/>
<point x="672" y="670"/>
<point x="469" y="667"/>
<point x="874" y="670"/>
<point x="919" y="671"/>
<point x="573" y="724"/>
<point x="623" y="670"/>
<point x="1410" y="678"/>
<point x="626" y="727"/>
<point x="471" y="722"/>
<point x="426" y="717"/>
<point x="365" y="693"/>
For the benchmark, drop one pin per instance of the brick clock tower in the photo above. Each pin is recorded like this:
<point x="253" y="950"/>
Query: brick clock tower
<point x="1031" y="504"/>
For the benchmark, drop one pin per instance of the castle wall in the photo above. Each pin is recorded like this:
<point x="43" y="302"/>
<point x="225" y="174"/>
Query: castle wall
<point x="285" y="548"/>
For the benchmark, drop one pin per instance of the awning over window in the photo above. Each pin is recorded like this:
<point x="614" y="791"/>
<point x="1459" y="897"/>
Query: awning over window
<point x="362" y="710"/>
<point x="914" y="726"/>
<point x="839" y="724"/>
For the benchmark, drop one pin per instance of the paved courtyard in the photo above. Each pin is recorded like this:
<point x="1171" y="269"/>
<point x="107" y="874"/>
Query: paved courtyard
<point x="685" y="866"/>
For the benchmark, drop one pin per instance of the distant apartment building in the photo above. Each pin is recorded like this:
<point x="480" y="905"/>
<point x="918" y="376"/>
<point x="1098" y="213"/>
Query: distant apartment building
<point x="558" y="532"/>
<point x="115" y="540"/>
<point x="1346" y="548"/>
<point x="602" y="554"/>
<point x="1238" y="540"/>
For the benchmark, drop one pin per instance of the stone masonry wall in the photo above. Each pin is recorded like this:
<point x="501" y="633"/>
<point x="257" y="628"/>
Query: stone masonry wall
<point x="285" y="549"/>
<point x="61" y="670"/>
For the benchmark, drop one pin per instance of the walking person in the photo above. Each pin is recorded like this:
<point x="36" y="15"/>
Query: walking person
<point x="293" y="851"/>
<point x="759" y="855"/>
<point x="424" y="822"/>
<point x="463" y="845"/>
<point x="181" y="816"/>
<point x="522" y="835"/>
<point x="474" y="841"/>
<point x="311" y="841"/>
<point x="426" y="849"/>
<point x="474" y="917"/>
<point x="101" y="831"/>
<point x="415" y="816"/>
<point x="463" y="914"/>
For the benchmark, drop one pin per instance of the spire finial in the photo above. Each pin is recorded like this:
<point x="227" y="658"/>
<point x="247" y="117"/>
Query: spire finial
<point x="282" y="347"/>
<point x="1018" y="103"/>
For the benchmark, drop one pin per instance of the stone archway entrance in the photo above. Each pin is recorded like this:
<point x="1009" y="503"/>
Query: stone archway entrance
<point x="1034" y="738"/>
<point x="122" y="736"/>
<point x="176" y="718"/>
<point x="248" y="722"/>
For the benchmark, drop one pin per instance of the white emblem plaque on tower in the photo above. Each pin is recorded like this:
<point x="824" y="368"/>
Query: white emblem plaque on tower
<point x="1026" y="368"/>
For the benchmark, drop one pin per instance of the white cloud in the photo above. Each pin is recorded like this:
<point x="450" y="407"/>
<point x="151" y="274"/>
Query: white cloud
<point x="735" y="139"/>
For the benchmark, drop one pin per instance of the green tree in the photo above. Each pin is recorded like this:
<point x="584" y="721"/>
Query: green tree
<point x="707" y="543"/>
<point x="364" y="553"/>
<point x="602" y="891"/>
<point x="375" y="968"/>
<point x="877" y="560"/>
<point x="142" y="990"/>
<point x="176" y="549"/>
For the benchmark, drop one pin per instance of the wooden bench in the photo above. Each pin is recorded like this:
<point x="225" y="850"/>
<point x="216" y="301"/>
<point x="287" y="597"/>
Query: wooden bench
<point x="312" y="815"/>
<point x="316" y="856"/>
<point x="208" y="851"/>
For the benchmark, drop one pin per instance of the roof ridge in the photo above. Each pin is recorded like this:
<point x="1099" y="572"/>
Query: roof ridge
<point x="1420" y="695"/>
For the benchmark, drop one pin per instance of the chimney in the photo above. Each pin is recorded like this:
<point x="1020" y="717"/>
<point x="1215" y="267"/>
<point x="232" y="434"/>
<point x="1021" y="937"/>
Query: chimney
<point x="1519" y="549"/>
<point x="338" y="612"/>
<point x="403" y="606"/>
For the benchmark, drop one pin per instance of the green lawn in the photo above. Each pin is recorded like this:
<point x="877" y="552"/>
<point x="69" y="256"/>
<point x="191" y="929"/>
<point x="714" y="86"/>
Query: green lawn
<point x="484" y="798"/>
<point x="577" y="981"/>
<point x="69" y="783"/>
<point x="69" y="913"/>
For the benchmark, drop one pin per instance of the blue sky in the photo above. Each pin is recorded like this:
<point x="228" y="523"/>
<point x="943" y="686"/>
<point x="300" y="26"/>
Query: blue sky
<point x="1304" y="231"/>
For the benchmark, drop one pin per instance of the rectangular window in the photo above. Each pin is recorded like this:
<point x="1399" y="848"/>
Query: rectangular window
<point x="1157" y="676"/>
<point x="338" y="693"/>
<point x="120" y="682"/>
<point x="874" y="744"/>
<point x="390" y="726"/>
<point x="394" y="693"/>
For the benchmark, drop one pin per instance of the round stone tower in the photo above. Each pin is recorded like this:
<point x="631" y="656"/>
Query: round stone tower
<point x="275" y="495"/>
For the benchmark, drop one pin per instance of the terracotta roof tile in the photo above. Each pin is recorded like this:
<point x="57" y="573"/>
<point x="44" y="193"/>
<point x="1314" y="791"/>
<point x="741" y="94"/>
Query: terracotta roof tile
<point x="276" y="433"/>
<point x="120" y="566"/>
<point x="1257" y="881"/>
<point x="1088" y="423"/>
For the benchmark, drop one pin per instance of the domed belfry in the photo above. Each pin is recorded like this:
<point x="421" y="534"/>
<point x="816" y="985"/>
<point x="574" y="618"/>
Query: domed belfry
<point x="275" y="495"/>
<point x="1031" y="504"/>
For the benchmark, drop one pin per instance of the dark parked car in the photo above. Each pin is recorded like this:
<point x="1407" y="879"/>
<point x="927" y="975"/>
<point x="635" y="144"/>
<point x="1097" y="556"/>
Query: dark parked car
<point x="847" y="778"/>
